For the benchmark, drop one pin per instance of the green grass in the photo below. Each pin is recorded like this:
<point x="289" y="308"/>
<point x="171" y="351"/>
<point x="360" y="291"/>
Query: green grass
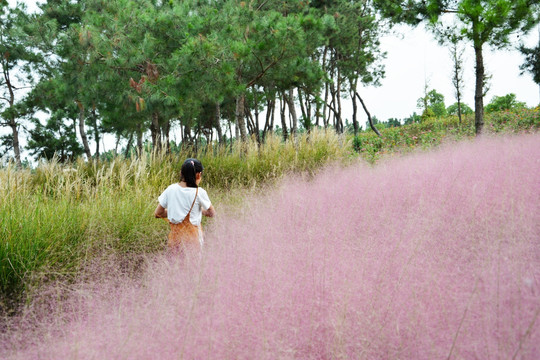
<point x="434" y="131"/>
<point x="39" y="234"/>
<point x="57" y="218"/>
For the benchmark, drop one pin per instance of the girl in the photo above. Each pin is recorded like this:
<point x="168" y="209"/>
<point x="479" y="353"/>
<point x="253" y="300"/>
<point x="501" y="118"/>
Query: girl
<point x="183" y="205"/>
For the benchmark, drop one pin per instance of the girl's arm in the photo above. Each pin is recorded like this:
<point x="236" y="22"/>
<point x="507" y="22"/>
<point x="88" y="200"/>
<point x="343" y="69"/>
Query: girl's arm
<point x="160" y="212"/>
<point x="211" y="212"/>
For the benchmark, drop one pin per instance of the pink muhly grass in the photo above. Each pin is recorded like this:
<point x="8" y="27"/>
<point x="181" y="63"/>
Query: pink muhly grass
<point x="434" y="255"/>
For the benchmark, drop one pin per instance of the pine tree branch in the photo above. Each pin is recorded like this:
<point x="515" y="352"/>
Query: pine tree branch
<point x="261" y="6"/>
<point x="22" y="87"/>
<point x="264" y="70"/>
<point x="368" y="115"/>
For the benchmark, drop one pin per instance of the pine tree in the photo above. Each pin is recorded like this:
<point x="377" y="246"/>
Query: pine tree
<point x="16" y="60"/>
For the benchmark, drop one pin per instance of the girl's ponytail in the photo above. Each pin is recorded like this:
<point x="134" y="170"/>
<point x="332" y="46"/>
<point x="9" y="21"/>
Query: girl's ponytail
<point x="189" y="170"/>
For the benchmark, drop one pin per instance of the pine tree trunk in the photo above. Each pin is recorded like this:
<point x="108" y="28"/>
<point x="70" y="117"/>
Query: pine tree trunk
<point x="16" y="146"/>
<point x="256" y="121"/>
<point x="479" y="90"/>
<point x="272" y="115"/>
<point x="339" y="121"/>
<point x="82" y="131"/>
<point x="325" y="121"/>
<point x="326" y="108"/>
<point x="12" y="122"/>
<point x="186" y="138"/>
<point x="292" y="111"/>
<point x="116" y="143"/>
<point x="217" y="124"/>
<point x="139" y="139"/>
<point x="240" y="119"/>
<point x="332" y="108"/>
<point x="354" y="114"/>
<point x="269" y="123"/>
<point x="250" y="123"/>
<point x="283" y="119"/>
<point x="317" y="112"/>
<point x="155" y="132"/>
<point x="128" y="146"/>
<point x="96" y="132"/>
<point x="302" y="105"/>
<point x="167" y="134"/>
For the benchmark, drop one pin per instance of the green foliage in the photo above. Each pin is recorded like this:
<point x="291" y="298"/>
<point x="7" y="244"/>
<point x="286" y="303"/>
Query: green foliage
<point x="427" y="114"/>
<point x="481" y="21"/>
<point x="532" y="62"/>
<point x="355" y="41"/>
<point x="453" y="109"/>
<point x="414" y="118"/>
<point x="136" y="65"/>
<point x="6" y="143"/>
<point x="55" y="138"/>
<point x="392" y="122"/>
<point x="433" y="104"/>
<point x="16" y="56"/>
<point x="506" y="102"/>
<point x="514" y="120"/>
<point x="433" y="131"/>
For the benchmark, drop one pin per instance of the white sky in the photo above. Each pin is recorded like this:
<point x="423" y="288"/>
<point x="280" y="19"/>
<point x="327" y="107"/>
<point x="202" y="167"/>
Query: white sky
<point x="413" y="58"/>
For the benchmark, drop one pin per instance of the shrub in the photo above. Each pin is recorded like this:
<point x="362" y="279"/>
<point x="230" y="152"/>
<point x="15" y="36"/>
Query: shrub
<point x="465" y="109"/>
<point x="506" y="102"/>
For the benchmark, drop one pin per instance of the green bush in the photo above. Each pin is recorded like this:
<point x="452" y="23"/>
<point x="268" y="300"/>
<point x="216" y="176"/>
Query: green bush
<point x="504" y="103"/>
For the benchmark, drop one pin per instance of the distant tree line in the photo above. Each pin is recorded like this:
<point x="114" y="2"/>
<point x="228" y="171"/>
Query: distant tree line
<point x="217" y="70"/>
<point x="433" y="106"/>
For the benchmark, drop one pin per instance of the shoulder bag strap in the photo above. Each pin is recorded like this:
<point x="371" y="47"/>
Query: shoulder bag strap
<point x="196" y="193"/>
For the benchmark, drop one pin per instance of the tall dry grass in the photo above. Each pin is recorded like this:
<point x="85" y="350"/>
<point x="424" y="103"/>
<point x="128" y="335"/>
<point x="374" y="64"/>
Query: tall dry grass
<point x="58" y="218"/>
<point x="433" y="255"/>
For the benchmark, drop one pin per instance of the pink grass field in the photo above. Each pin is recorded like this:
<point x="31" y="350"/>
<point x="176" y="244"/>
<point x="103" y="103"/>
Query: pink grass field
<point x="429" y="256"/>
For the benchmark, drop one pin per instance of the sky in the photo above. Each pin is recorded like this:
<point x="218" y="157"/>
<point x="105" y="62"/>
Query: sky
<point x="414" y="58"/>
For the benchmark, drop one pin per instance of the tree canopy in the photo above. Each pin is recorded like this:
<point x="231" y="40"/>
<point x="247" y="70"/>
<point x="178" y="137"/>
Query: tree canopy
<point x="532" y="61"/>
<point x="213" y="70"/>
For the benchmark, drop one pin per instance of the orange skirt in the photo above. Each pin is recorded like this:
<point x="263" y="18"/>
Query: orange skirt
<point x="184" y="236"/>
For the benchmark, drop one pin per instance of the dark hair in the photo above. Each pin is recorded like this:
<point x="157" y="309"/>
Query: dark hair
<point x="190" y="167"/>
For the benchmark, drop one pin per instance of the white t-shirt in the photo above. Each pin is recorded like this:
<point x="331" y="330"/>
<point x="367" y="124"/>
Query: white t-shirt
<point x="177" y="200"/>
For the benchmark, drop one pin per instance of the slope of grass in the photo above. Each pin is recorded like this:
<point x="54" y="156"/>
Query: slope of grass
<point x="434" y="255"/>
<point x="435" y="131"/>
<point x="56" y="218"/>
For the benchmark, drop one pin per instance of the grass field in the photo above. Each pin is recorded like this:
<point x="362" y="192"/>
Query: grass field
<point x="433" y="255"/>
<point x="315" y="254"/>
